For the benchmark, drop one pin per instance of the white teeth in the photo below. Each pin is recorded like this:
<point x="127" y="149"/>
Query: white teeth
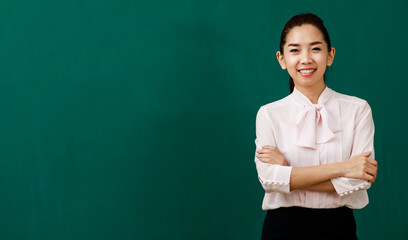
<point x="307" y="71"/>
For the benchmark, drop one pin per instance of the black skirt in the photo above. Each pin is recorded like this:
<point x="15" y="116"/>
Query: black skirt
<point x="309" y="223"/>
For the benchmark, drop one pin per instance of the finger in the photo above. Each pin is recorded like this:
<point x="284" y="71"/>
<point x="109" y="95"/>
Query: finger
<point x="265" y="156"/>
<point x="263" y="160"/>
<point x="271" y="148"/>
<point x="263" y="151"/>
<point x="372" y="161"/>
<point x="261" y="155"/>
<point x="267" y="160"/>
<point x="274" y="157"/>
<point x="371" y="165"/>
<point x="368" y="177"/>
<point x="375" y="177"/>
<point x="371" y="171"/>
<point x="268" y="147"/>
<point x="365" y="154"/>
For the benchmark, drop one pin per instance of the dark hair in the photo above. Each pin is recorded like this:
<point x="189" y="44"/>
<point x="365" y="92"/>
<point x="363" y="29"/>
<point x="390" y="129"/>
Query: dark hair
<point x="297" y="21"/>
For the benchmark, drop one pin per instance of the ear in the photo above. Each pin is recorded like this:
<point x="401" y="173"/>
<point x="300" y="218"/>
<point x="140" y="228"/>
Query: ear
<point x="281" y="60"/>
<point x="330" y="59"/>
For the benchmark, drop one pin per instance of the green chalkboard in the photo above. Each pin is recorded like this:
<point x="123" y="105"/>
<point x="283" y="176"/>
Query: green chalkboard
<point x="136" y="119"/>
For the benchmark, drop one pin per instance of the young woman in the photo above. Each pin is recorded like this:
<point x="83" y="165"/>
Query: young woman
<point x="315" y="152"/>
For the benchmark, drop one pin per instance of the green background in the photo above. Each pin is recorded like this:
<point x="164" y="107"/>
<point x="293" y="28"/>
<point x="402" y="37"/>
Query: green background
<point x="136" y="119"/>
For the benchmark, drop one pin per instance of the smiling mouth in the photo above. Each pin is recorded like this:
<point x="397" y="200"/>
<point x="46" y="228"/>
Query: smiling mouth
<point x="306" y="71"/>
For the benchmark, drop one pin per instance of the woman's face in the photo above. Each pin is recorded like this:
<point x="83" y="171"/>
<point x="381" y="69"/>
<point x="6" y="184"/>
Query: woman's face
<point x="305" y="56"/>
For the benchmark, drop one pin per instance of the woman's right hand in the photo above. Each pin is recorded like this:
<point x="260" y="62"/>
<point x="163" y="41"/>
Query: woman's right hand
<point x="271" y="155"/>
<point x="361" y="167"/>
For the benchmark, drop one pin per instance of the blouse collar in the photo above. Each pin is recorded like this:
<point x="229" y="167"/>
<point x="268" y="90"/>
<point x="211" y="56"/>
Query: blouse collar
<point x="316" y="123"/>
<point x="324" y="97"/>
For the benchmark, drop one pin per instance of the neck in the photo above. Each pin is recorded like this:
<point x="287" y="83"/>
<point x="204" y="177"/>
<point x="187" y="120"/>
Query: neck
<point x="312" y="93"/>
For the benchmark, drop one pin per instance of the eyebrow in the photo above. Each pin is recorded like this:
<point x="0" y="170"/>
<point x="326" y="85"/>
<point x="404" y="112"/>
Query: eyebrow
<point x="297" y="45"/>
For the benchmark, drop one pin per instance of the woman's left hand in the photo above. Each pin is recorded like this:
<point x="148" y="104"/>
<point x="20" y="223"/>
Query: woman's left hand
<point x="271" y="155"/>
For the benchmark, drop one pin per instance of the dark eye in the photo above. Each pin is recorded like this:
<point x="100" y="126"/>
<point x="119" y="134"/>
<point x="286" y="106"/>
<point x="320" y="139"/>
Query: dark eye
<point x="293" y="50"/>
<point x="316" y="49"/>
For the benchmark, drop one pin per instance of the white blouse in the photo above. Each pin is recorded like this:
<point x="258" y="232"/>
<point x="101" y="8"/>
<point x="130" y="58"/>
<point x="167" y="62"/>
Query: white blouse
<point x="333" y="130"/>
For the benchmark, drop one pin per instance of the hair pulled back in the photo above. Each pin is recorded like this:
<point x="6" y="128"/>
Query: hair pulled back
<point x="297" y="21"/>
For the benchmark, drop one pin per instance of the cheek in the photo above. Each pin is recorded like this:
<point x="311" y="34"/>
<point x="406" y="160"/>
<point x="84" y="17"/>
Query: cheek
<point x="321" y="60"/>
<point x="291" y="63"/>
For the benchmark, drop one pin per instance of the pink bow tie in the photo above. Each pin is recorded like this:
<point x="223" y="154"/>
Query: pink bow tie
<point x="315" y="125"/>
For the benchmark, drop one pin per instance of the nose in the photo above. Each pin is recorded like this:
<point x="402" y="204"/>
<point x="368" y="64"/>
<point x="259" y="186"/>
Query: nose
<point x="306" y="58"/>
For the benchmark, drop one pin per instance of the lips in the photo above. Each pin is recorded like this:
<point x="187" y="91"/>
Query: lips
<point x="307" y="72"/>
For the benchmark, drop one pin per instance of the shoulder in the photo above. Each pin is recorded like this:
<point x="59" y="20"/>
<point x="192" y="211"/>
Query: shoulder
<point x="274" y="108"/>
<point x="352" y="106"/>
<point x="352" y="102"/>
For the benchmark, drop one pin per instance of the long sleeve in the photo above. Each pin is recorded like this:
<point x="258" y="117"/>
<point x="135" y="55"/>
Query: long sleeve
<point x="273" y="178"/>
<point x="363" y="141"/>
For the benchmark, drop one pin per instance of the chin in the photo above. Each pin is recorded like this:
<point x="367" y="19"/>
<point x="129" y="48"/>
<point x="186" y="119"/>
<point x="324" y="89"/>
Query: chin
<point x="307" y="83"/>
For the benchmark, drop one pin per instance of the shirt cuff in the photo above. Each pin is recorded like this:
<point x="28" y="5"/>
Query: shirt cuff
<point x="279" y="180"/>
<point x="345" y="186"/>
